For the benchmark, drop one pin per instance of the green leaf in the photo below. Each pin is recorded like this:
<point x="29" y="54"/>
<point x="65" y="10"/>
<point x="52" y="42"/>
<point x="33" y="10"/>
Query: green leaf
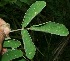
<point x="28" y="44"/>
<point x="12" y="43"/>
<point x="51" y="27"/>
<point x="13" y="54"/>
<point x="34" y="9"/>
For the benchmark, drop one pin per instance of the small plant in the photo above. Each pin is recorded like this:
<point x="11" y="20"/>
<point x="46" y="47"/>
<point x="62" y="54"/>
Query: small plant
<point x="30" y="49"/>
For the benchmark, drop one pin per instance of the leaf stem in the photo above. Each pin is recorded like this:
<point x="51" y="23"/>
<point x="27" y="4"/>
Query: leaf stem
<point x="16" y="30"/>
<point x="19" y="29"/>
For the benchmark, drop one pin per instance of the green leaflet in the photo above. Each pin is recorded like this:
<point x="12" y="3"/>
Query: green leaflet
<point x="28" y="44"/>
<point x="51" y="27"/>
<point x="34" y="9"/>
<point x="12" y="54"/>
<point x="11" y="43"/>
